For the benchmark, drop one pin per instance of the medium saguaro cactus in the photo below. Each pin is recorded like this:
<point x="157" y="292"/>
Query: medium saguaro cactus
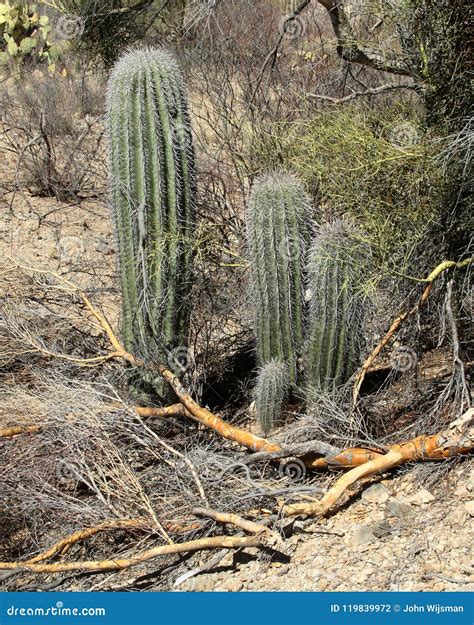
<point x="271" y="393"/>
<point x="336" y="309"/>
<point x="153" y="185"/>
<point x="278" y="232"/>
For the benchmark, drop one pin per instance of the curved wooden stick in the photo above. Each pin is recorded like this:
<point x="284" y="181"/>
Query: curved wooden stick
<point x="458" y="439"/>
<point x="268" y="536"/>
<point x="216" y="542"/>
<point x="19" y="429"/>
<point x="175" y="410"/>
<point x="66" y="543"/>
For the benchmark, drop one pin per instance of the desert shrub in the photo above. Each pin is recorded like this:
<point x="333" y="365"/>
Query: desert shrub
<point x="101" y="29"/>
<point x="444" y="59"/>
<point x="52" y="126"/>
<point x="377" y="167"/>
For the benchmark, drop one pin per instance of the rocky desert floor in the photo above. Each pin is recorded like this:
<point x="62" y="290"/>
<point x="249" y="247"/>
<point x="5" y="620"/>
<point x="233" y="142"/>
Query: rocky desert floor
<point x="396" y="536"/>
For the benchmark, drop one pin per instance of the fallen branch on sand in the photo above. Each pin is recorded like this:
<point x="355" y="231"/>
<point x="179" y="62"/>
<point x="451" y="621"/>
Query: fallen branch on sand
<point x="66" y="543"/>
<point x="19" y="429"/>
<point x="116" y="564"/>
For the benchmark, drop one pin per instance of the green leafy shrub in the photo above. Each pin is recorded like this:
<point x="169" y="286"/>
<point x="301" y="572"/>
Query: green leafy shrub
<point x="376" y="165"/>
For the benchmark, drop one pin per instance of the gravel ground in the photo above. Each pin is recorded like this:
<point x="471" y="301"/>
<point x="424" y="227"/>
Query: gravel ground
<point x="397" y="536"/>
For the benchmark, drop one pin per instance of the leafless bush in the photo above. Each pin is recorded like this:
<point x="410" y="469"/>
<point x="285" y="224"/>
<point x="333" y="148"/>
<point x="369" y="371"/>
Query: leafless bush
<point x="51" y="125"/>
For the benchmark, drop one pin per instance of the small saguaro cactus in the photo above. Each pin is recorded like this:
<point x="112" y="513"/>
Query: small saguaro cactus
<point x="336" y="310"/>
<point x="278" y="232"/>
<point x="152" y="186"/>
<point x="271" y="393"/>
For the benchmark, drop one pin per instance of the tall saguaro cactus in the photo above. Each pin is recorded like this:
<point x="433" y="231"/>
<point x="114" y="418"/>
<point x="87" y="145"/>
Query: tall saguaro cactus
<point x="278" y="231"/>
<point x="152" y="185"/>
<point x="335" y="331"/>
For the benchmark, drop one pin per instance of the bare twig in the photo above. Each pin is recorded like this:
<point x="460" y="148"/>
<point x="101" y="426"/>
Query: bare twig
<point x="270" y="537"/>
<point x="19" y="429"/>
<point x="458" y="364"/>
<point x="188" y="462"/>
<point x="368" y="92"/>
<point x="295" y="451"/>
<point x="352" y="51"/>
<point x="66" y="543"/>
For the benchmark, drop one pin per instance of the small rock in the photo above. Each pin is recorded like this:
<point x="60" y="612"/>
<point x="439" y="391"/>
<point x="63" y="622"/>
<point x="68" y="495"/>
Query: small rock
<point x="458" y="515"/>
<point x="362" y="535"/>
<point x="283" y="571"/>
<point x="377" y="493"/>
<point x="469" y="505"/>
<point x="462" y="491"/>
<point x="398" y="508"/>
<point x="381" y="529"/>
<point x="231" y="585"/>
<point x="421" y="497"/>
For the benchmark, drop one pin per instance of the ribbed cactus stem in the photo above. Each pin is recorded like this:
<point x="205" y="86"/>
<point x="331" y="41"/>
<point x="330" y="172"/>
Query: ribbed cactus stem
<point x="152" y="185"/>
<point x="336" y="310"/>
<point x="271" y="393"/>
<point x="278" y="232"/>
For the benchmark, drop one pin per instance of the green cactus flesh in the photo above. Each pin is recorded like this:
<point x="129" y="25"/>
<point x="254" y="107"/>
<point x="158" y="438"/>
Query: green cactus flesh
<point x="277" y="229"/>
<point x="152" y="186"/>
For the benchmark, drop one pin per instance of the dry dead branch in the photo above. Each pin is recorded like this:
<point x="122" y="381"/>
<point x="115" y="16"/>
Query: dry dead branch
<point x="66" y="543"/>
<point x="116" y="564"/>
<point x="447" y="264"/>
<point x="269" y="537"/>
<point x="19" y="429"/>
<point x="457" y="439"/>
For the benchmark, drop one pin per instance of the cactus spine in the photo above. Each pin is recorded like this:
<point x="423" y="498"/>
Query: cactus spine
<point x="335" y="330"/>
<point x="152" y="186"/>
<point x="277" y="229"/>
<point x="271" y="393"/>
